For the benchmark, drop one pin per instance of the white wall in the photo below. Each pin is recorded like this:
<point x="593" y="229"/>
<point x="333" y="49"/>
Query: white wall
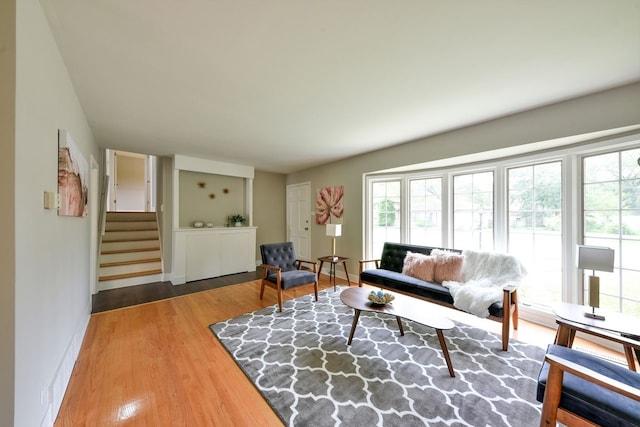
<point x="52" y="300"/>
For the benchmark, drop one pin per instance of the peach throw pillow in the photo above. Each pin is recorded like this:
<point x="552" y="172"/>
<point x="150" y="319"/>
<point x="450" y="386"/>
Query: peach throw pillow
<point x="419" y="266"/>
<point x="448" y="266"/>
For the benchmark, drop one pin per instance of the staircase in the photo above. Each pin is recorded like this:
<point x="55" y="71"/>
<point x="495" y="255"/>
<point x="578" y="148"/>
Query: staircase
<point x="130" y="251"/>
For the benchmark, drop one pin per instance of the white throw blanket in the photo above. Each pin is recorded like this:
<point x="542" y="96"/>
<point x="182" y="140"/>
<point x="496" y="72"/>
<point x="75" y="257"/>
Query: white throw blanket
<point x="484" y="275"/>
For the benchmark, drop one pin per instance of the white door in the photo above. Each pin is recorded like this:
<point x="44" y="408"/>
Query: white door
<point x="130" y="183"/>
<point x="298" y="216"/>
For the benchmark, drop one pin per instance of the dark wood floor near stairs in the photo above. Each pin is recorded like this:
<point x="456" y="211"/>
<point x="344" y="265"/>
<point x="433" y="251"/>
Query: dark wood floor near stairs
<point x="140" y="294"/>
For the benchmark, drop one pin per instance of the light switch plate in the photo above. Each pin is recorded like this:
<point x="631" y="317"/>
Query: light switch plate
<point x="50" y="200"/>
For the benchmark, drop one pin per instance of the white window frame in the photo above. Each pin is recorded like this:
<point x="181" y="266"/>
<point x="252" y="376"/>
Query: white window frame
<point x="569" y="156"/>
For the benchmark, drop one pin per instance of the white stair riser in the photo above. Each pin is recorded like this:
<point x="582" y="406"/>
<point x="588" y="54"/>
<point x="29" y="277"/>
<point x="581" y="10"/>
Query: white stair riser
<point x="129" y="235"/>
<point x="131" y="216"/>
<point x="129" y="256"/>
<point x="132" y="225"/>
<point x="129" y="268"/>
<point x="119" y="246"/>
<point x="129" y="281"/>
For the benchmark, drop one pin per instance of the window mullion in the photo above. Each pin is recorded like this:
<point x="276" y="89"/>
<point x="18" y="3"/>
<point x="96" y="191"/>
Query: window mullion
<point x="500" y="209"/>
<point x="405" y="207"/>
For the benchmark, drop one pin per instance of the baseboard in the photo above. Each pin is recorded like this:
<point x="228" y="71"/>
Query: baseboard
<point x="47" y="420"/>
<point x="339" y="274"/>
<point x="178" y="279"/>
<point x="54" y="393"/>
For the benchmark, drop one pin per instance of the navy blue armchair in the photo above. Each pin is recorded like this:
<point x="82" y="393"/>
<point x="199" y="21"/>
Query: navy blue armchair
<point x="579" y="389"/>
<point x="282" y="270"/>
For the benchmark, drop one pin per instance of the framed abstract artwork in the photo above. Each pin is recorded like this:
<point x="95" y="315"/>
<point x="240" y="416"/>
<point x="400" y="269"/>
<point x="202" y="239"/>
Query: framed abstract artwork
<point x="329" y="203"/>
<point x="73" y="177"/>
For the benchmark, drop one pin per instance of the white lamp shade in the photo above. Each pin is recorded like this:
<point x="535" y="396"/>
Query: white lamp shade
<point x="597" y="258"/>
<point x="334" y="230"/>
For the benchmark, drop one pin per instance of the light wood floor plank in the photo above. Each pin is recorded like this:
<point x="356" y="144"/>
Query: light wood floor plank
<point x="158" y="364"/>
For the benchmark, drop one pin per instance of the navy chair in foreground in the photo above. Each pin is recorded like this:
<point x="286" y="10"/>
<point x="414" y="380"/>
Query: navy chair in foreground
<point x="579" y="389"/>
<point x="282" y="270"/>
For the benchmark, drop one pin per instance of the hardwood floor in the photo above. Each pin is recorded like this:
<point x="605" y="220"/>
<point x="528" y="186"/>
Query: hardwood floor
<point x="158" y="364"/>
<point x="133" y="295"/>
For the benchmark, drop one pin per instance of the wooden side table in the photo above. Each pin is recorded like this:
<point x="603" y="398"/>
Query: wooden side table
<point x="616" y="327"/>
<point x="333" y="260"/>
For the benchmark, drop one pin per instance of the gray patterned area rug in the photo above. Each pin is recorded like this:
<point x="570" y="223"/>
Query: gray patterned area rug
<point x="300" y="362"/>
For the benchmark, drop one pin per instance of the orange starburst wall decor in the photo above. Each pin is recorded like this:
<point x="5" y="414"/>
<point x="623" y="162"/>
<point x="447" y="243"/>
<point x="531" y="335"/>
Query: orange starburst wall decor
<point x="329" y="203"/>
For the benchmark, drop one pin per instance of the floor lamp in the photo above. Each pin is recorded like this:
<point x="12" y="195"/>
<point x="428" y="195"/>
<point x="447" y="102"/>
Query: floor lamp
<point x="595" y="258"/>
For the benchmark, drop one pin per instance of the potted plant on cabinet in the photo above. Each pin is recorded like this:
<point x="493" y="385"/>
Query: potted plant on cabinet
<point x="237" y="219"/>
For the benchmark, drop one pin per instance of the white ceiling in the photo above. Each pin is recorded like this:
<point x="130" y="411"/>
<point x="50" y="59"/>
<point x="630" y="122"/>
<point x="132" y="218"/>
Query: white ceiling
<point x="284" y="85"/>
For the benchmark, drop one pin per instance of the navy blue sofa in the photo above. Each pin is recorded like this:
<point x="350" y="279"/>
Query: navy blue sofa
<point x="388" y="274"/>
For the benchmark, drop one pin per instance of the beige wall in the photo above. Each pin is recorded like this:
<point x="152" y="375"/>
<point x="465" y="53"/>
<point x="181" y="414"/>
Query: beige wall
<point x="164" y="210"/>
<point x="269" y="208"/>
<point x="7" y="214"/>
<point x="196" y="205"/>
<point x="605" y="110"/>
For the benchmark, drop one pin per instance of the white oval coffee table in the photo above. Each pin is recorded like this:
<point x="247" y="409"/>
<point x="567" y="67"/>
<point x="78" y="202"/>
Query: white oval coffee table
<point x="402" y="307"/>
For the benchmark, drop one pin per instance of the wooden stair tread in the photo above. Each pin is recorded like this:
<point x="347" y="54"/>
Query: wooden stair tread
<point x="123" y="246"/>
<point x="142" y="239"/>
<point x="131" y="229"/>
<point x="127" y="275"/>
<point x="131" y="262"/>
<point x="124" y="251"/>
<point x="116" y="213"/>
<point x="130" y="220"/>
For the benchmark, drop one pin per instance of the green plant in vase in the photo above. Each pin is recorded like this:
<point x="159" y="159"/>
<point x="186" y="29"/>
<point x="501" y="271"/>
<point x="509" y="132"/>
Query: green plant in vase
<point x="238" y="219"/>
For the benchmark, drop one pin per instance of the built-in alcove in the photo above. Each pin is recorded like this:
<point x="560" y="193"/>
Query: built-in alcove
<point x="210" y="198"/>
<point x="204" y="252"/>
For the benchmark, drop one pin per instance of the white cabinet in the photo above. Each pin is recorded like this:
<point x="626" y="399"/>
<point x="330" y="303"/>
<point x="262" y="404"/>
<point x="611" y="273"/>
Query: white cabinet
<point x="210" y="252"/>
<point x="202" y="256"/>
<point x="232" y="245"/>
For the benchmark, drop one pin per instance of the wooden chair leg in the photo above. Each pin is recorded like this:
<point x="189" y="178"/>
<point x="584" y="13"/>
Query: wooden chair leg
<point x="262" y="281"/>
<point x="506" y="319"/>
<point x="315" y="289"/>
<point x="514" y="303"/>
<point x="280" y="298"/>
<point x="505" y="333"/>
<point x="552" y="394"/>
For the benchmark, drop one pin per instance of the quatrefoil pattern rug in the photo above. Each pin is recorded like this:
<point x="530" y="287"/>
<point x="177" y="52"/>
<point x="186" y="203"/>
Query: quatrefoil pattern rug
<point x="300" y="362"/>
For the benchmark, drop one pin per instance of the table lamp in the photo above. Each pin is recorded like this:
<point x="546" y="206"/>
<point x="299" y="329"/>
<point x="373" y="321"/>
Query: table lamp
<point x="594" y="258"/>
<point x="334" y="230"/>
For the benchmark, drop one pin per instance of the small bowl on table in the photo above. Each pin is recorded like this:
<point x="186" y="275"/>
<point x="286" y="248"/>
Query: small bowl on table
<point x="380" y="298"/>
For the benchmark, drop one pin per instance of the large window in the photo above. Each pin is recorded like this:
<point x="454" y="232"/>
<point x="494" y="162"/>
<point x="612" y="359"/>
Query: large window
<point x="537" y="207"/>
<point x="425" y="206"/>
<point x="611" y="198"/>
<point x="473" y="211"/>
<point x="385" y="214"/>
<point x="535" y="229"/>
